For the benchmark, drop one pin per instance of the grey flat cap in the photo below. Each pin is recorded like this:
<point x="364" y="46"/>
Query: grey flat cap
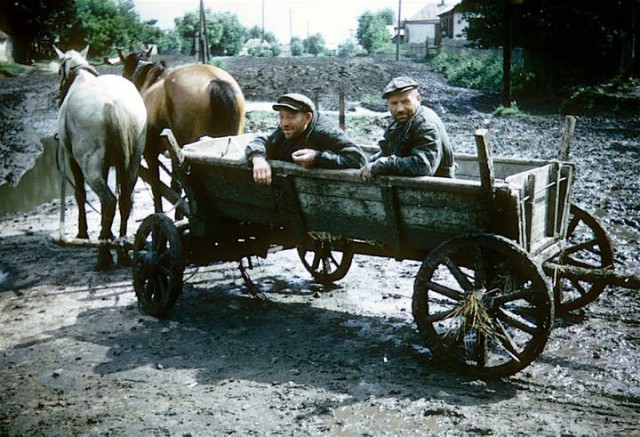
<point x="399" y="85"/>
<point x="294" y="102"/>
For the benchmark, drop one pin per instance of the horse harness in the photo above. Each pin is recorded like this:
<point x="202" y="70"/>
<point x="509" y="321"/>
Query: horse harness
<point x="67" y="79"/>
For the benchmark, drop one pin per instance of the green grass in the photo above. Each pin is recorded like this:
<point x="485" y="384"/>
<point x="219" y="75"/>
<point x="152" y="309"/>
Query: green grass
<point x="11" y="69"/>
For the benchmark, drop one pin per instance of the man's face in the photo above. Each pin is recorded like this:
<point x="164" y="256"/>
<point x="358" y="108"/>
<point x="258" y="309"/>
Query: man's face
<point x="403" y="105"/>
<point x="293" y="123"/>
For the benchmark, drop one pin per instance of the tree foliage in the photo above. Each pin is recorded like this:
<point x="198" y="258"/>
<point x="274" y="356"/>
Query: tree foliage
<point x="35" y="24"/>
<point x="372" y="31"/>
<point x="563" y="40"/>
<point x="105" y="25"/>
<point x="314" y="44"/>
<point x="297" y="48"/>
<point x="225" y="33"/>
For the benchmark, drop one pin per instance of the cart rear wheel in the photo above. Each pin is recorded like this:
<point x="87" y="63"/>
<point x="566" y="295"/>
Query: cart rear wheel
<point x="588" y="246"/>
<point x="483" y="303"/>
<point x="325" y="262"/>
<point x="157" y="265"/>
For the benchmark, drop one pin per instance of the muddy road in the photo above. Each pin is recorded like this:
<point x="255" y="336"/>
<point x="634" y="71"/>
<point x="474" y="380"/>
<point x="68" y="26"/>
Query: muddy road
<point x="77" y="357"/>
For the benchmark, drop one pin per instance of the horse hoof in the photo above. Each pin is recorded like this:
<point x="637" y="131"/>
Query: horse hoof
<point x="124" y="262"/>
<point x="105" y="261"/>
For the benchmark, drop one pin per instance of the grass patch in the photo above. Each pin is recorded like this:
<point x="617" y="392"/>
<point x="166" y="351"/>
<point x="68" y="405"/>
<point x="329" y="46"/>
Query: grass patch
<point x="11" y="69"/>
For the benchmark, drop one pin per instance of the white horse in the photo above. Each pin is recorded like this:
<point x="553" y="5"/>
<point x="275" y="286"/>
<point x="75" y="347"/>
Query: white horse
<point x="102" y="123"/>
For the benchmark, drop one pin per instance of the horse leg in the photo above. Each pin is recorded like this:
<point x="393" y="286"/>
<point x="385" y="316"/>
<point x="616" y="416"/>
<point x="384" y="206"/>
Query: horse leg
<point x="154" y="180"/>
<point x="108" y="210"/>
<point x="81" y="199"/>
<point x="125" y="203"/>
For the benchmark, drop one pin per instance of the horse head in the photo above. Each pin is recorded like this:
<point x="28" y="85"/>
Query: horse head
<point x="71" y="62"/>
<point x="131" y="61"/>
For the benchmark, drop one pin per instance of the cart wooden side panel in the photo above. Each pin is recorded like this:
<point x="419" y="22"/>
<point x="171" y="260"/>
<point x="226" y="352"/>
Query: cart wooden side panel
<point x="406" y="216"/>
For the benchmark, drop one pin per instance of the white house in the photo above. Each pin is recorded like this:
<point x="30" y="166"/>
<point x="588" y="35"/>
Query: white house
<point x="6" y="48"/>
<point x="424" y="27"/>
<point x="453" y="23"/>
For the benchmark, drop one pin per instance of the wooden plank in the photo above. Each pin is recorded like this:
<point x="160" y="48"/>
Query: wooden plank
<point x="289" y="206"/>
<point x="567" y="138"/>
<point x="392" y="218"/>
<point x="485" y="165"/>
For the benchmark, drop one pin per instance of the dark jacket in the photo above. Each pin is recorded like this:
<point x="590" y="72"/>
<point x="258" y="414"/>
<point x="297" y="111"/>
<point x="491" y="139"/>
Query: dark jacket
<point x="420" y="147"/>
<point x="334" y="150"/>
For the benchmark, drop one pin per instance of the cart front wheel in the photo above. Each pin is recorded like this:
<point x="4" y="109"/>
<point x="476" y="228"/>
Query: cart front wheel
<point x="588" y="246"/>
<point x="326" y="263"/>
<point x="157" y="265"/>
<point x="482" y="304"/>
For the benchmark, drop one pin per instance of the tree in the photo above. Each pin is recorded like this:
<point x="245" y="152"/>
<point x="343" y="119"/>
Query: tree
<point x="372" y="31"/>
<point x="565" y="41"/>
<point x="35" y="25"/>
<point x="347" y="49"/>
<point x="297" y="48"/>
<point x="314" y="44"/>
<point x="106" y="25"/>
<point x="226" y="34"/>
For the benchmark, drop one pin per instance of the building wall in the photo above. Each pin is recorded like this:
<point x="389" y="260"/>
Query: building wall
<point x="6" y="50"/>
<point x="417" y="33"/>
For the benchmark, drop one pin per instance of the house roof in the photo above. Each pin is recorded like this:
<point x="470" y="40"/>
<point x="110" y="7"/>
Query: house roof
<point x="432" y="10"/>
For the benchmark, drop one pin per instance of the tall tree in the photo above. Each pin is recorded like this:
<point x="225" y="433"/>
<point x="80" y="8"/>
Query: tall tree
<point x="226" y="34"/>
<point x="372" y="31"/>
<point x="564" y="41"/>
<point x="34" y="25"/>
<point x="106" y="25"/>
<point x="314" y="44"/>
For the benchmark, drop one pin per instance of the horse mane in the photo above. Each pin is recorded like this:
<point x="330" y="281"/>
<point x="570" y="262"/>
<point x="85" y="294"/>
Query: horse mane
<point x="149" y="74"/>
<point x="66" y="82"/>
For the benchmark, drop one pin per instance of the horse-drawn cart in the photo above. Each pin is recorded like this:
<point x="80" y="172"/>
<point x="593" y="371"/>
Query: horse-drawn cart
<point x="491" y="242"/>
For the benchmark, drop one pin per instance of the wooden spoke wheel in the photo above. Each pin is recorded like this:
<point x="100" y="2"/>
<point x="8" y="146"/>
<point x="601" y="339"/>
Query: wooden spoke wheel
<point x="482" y="304"/>
<point x="588" y="246"/>
<point x="157" y="265"/>
<point x="326" y="263"/>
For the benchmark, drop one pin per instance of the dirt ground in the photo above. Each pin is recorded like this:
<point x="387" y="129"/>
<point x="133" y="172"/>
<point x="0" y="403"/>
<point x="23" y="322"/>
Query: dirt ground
<point x="77" y="357"/>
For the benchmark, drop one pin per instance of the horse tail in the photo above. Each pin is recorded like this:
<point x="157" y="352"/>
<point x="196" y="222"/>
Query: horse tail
<point x="122" y="140"/>
<point x="228" y="101"/>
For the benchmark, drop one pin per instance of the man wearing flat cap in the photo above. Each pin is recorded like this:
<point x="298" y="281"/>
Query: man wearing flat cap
<point x="303" y="136"/>
<point x="416" y="142"/>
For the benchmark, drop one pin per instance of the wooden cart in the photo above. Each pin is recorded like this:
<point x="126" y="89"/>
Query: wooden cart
<point x="491" y="242"/>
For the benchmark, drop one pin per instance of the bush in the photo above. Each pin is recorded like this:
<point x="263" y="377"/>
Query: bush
<point x="479" y="72"/>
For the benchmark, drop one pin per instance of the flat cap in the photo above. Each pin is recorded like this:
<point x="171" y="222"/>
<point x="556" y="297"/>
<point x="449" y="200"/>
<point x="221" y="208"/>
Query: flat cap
<point x="294" y="102"/>
<point x="399" y="85"/>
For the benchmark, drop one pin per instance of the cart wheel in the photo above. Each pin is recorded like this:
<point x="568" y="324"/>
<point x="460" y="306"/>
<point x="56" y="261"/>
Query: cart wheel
<point x="157" y="265"/>
<point x="588" y="246"/>
<point x="325" y="262"/>
<point x="482" y="302"/>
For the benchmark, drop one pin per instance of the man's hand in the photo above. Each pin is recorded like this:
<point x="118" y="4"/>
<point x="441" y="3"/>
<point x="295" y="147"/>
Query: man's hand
<point x="304" y="157"/>
<point x="365" y="172"/>
<point x="261" y="170"/>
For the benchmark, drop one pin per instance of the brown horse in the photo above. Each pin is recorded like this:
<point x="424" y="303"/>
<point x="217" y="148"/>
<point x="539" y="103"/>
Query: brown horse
<point x="193" y="100"/>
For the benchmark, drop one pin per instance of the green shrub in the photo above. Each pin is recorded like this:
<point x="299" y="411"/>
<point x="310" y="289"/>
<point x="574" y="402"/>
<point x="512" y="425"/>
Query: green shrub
<point x="217" y="63"/>
<point x="502" y="111"/>
<point x="478" y="72"/>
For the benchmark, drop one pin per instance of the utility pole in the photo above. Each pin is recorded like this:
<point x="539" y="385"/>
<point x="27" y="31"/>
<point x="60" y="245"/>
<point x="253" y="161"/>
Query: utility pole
<point x="262" y="20"/>
<point x="203" y="41"/>
<point x="506" y="53"/>
<point x="398" y="32"/>
<point x="290" y="26"/>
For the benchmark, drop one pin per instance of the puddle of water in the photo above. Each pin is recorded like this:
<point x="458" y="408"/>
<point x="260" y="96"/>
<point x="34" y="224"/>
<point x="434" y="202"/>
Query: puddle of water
<point x="39" y="185"/>
<point x="267" y="107"/>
